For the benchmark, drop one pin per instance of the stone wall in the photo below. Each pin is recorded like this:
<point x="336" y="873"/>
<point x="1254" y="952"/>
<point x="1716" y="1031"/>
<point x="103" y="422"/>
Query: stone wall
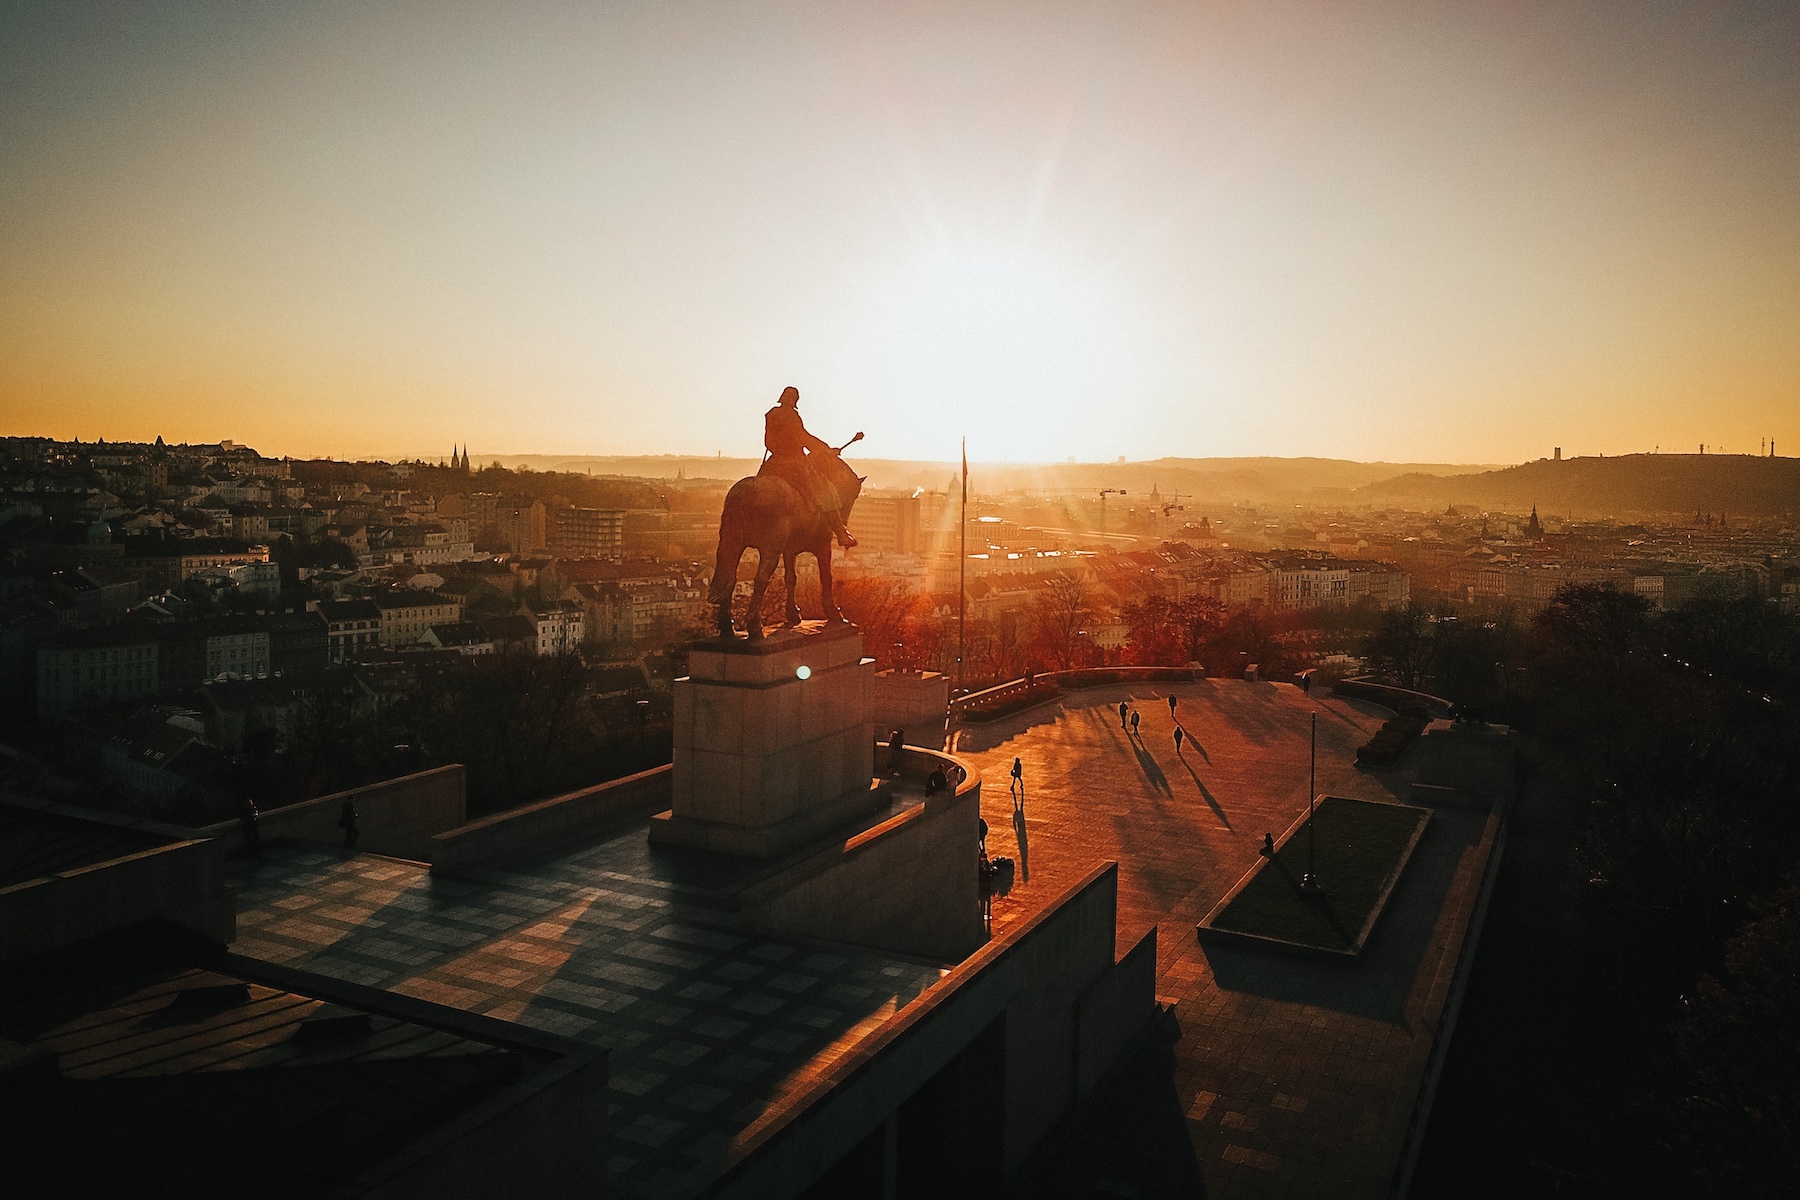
<point x="1049" y="993"/>
<point x="549" y="824"/>
<point x="398" y="817"/>
<point x="183" y="882"/>
<point x="909" y="884"/>
<point x="916" y="701"/>
<point x="543" y="1136"/>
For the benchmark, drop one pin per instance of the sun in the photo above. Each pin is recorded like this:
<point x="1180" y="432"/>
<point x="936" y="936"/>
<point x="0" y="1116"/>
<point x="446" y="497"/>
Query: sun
<point x="1010" y="347"/>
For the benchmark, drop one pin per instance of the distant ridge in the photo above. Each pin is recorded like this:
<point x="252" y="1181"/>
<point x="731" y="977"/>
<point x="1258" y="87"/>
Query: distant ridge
<point x="1742" y="484"/>
<point x="1208" y="480"/>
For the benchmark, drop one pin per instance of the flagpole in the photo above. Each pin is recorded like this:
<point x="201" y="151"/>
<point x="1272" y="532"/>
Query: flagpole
<point x="962" y="567"/>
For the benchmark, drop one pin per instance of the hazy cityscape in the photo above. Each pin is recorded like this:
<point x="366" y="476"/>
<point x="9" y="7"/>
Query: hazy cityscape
<point x="804" y="601"/>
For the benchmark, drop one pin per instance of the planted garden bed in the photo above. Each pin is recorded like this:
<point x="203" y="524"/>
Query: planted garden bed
<point x="1361" y="848"/>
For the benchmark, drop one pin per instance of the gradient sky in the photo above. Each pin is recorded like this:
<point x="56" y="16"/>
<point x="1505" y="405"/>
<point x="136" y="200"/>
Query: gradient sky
<point x="1446" y="232"/>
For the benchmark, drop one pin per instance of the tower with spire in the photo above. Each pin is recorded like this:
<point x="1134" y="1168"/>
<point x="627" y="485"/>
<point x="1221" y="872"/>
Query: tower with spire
<point x="1533" y="530"/>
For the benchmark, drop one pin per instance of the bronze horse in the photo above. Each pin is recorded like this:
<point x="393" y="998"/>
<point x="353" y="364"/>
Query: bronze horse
<point x="766" y="514"/>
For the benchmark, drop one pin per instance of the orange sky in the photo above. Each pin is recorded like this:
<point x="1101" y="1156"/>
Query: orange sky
<point x="1444" y="232"/>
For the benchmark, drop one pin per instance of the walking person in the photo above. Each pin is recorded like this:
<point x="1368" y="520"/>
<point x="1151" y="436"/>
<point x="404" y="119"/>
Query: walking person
<point x="1172" y="705"/>
<point x="1123" y="709"/>
<point x="247" y="816"/>
<point x="1135" y="714"/>
<point x="1017" y="786"/>
<point x="1179" y="734"/>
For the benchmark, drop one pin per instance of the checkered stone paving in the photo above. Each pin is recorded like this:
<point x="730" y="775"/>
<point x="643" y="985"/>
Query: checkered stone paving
<point x="706" y="1027"/>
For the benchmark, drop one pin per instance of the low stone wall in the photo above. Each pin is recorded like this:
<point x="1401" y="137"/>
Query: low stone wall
<point x="183" y="882"/>
<point x="909" y="884"/>
<point x="1389" y="696"/>
<point x="1084" y="677"/>
<point x="1029" y="1024"/>
<point x="549" y="824"/>
<point x="397" y="817"/>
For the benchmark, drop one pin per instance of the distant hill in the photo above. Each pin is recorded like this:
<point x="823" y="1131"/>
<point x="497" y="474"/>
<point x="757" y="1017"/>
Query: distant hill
<point x="1207" y="480"/>
<point x="1737" y="484"/>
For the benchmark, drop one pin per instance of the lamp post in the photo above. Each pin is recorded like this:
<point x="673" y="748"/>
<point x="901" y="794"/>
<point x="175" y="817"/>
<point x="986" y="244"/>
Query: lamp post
<point x="1309" y="880"/>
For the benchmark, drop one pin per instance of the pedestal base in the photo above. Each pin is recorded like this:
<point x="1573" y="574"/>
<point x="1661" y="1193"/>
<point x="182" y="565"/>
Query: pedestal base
<point x="772" y="741"/>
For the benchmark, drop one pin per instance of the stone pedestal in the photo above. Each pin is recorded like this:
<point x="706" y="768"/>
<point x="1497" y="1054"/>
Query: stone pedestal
<point x="773" y="745"/>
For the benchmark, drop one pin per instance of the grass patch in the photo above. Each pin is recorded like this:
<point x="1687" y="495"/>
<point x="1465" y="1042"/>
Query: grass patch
<point x="1358" y="846"/>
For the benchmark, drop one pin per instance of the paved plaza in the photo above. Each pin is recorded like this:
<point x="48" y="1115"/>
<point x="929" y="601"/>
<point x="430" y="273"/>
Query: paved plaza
<point x="1297" y="1078"/>
<point x="612" y="944"/>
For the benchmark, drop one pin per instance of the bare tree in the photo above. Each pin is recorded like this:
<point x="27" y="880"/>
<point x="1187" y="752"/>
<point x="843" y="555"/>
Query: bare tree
<point x="1058" y="612"/>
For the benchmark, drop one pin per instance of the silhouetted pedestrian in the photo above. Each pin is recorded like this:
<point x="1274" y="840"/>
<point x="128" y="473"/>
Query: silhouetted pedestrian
<point x="1268" y="846"/>
<point x="1018" y="785"/>
<point x="1134" y="721"/>
<point x="1171" y="704"/>
<point x="1178" y="736"/>
<point x="1123" y="709"/>
<point x="984" y="873"/>
<point x="896" y="743"/>
<point x="347" y="823"/>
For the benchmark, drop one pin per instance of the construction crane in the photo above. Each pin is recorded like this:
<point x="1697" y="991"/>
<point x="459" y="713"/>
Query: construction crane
<point x="1104" y="493"/>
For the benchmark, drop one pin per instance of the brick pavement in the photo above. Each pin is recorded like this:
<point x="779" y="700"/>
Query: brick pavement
<point x="1298" y="1078"/>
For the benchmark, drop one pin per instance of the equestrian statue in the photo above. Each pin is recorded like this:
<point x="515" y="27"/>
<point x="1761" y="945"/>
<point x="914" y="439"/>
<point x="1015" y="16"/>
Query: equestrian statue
<point x="794" y="505"/>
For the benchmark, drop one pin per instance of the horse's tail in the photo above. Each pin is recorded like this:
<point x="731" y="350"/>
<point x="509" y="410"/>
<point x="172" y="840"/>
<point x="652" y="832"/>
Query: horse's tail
<point x="732" y="541"/>
<point x="725" y="565"/>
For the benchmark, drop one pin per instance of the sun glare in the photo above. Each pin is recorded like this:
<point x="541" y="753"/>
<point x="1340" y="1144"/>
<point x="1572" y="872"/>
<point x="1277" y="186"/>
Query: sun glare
<point x="1002" y="346"/>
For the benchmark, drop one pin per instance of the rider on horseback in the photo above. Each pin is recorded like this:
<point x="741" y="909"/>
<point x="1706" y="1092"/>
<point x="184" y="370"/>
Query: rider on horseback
<point x="790" y="449"/>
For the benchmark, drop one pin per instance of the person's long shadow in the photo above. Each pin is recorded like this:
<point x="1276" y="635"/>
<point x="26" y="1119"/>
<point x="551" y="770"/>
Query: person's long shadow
<point x="1148" y="765"/>
<point x="1024" y="843"/>
<point x="1194" y="742"/>
<point x="1211" y="802"/>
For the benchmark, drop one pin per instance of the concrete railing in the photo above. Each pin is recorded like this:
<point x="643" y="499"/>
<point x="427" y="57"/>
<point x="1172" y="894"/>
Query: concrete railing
<point x="396" y="816"/>
<point x="549" y="824"/>
<point x="1080" y="677"/>
<point x="918" y="762"/>
<point x="1389" y="696"/>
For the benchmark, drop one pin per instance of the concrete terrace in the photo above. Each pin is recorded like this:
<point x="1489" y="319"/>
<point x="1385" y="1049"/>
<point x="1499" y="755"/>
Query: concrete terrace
<point x="611" y="944"/>
<point x="1296" y="1078"/>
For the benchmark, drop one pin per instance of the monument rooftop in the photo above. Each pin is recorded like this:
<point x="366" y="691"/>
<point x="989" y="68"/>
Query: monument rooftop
<point x="198" y="1074"/>
<point x="614" y="943"/>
